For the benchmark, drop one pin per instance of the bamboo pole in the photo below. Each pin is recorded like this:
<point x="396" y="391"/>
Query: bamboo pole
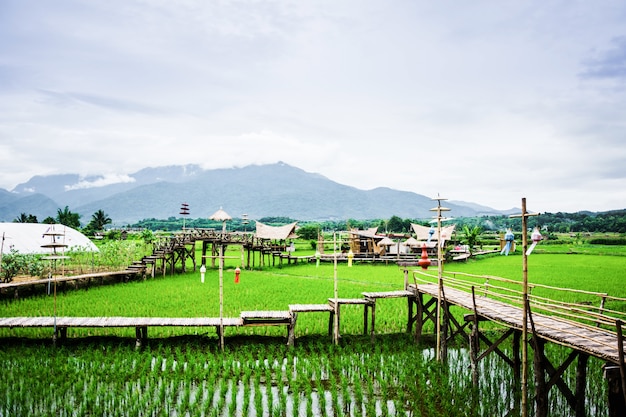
<point x="221" y="276"/>
<point x="336" y="292"/>
<point x="439" y="209"/>
<point x="525" y="306"/>
<point x="525" y="313"/>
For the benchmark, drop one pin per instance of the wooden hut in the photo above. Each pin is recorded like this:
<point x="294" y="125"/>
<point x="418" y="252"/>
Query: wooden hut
<point x="365" y="242"/>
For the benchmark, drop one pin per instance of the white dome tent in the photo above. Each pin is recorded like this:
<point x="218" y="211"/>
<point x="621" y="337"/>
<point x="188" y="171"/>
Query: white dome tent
<point x="28" y="238"/>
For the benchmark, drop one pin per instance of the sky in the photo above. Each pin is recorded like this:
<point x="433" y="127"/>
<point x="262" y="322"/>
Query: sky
<point x="484" y="101"/>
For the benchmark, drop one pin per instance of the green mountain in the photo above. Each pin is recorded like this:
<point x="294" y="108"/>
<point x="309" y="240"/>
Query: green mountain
<point x="257" y="190"/>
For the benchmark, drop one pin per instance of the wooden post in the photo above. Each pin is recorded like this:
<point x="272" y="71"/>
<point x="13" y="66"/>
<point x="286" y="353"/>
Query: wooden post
<point x="439" y="209"/>
<point x="525" y="314"/>
<point x="525" y="305"/>
<point x="336" y="290"/>
<point x="541" y="390"/>
<point x="612" y="374"/>
<point x="419" y="317"/>
<point x="581" y="383"/>
<point x="221" y="275"/>
<point x="474" y="342"/>
<point x="620" y="352"/>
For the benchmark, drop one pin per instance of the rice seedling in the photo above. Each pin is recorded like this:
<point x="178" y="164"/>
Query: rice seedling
<point x="188" y="375"/>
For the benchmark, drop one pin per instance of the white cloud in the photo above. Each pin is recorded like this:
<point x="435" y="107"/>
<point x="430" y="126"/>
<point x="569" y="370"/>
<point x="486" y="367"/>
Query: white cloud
<point x="100" y="182"/>
<point x="476" y="101"/>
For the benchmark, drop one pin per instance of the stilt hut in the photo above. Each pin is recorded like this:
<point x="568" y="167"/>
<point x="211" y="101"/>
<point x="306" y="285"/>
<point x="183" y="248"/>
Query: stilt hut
<point x="365" y="242"/>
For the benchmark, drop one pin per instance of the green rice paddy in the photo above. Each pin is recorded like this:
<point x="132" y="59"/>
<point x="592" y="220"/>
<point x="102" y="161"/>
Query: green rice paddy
<point x="182" y="372"/>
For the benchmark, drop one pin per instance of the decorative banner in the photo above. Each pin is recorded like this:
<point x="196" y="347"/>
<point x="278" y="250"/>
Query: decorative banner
<point x="509" y="237"/>
<point x="536" y="238"/>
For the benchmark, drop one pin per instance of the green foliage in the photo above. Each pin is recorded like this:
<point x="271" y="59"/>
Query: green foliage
<point x="24" y="218"/>
<point x="186" y="374"/>
<point x="15" y="263"/>
<point x="607" y="241"/>
<point x="67" y="218"/>
<point x="114" y="234"/>
<point x="98" y="221"/>
<point x="12" y="264"/>
<point x="471" y="235"/>
<point x="308" y="232"/>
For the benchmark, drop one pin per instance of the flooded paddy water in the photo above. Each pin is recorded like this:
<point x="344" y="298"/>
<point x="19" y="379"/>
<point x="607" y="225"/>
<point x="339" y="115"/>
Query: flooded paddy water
<point x="191" y="377"/>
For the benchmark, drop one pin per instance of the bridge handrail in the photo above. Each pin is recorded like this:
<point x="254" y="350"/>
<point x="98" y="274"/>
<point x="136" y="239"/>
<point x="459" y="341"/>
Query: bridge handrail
<point x="585" y="313"/>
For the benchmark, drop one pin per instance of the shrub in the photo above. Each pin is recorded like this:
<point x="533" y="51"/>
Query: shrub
<point x="12" y="264"/>
<point x="607" y="241"/>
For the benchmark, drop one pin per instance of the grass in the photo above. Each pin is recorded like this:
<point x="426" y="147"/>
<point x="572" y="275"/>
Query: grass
<point x="181" y="371"/>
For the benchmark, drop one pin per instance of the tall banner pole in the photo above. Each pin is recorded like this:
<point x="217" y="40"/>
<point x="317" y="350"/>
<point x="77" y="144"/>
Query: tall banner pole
<point x="221" y="274"/>
<point x="439" y="209"/>
<point x="336" y="289"/>
<point x="525" y="312"/>
<point x="525" y="305"/>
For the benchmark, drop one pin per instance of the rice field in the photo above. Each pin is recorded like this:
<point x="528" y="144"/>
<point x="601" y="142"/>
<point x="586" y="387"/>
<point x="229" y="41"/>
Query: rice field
<point x="182" y="372"/>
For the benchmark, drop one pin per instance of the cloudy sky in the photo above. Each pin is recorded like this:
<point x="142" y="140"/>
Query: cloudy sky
<point x="481" y="101"/>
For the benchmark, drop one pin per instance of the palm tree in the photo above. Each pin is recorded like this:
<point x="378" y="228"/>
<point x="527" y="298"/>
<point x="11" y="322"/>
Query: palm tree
<point x="67" y="218"/>
<point x="23" y="218"/>
<point x="99" y="219"/>
<point x="471" y="235"/>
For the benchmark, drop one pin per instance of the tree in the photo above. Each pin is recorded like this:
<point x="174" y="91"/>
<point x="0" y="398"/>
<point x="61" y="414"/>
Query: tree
<point x="308" y="232"/>
<point x="471" y="235"/>
<point x="98" y="220"/>
<point x="67" y="218"/>
<point x="26" y="218"/>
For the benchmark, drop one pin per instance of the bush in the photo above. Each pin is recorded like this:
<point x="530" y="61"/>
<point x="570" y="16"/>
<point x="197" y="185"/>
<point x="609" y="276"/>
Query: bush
<point x="607" y="241"/>
<point x="12" y="264"/>
<point x="15" y="263"/>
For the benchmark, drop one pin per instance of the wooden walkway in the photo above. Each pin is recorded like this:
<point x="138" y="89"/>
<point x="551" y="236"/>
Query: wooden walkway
<point x="594" y="341"/>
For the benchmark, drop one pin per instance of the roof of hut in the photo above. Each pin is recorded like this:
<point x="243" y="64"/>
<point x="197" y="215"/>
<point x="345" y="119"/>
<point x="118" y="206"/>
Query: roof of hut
<point x="371" y="232"/>
<point x="423" y="232"/>
<point x="28" y="238"/>
<point x="264" y="231"/>
<point x="385" y="241"/>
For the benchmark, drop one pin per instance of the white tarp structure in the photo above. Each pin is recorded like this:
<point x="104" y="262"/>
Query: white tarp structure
<point x="429" y="234"/>
<point x="28" y="238"/>
<point x="264" y="231"/>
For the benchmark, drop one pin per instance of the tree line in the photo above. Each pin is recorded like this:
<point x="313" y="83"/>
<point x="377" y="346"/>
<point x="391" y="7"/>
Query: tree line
<point x="581" y="222"/>
<point x="99" y="220"/>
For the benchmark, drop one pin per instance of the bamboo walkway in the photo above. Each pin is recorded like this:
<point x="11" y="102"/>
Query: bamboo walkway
<point x="592" y="340"/>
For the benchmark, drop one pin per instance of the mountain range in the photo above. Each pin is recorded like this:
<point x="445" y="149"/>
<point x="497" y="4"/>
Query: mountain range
<point x="256" y="190"/>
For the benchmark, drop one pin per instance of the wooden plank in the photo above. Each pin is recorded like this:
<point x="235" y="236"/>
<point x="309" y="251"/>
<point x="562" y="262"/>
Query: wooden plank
<point x="355" y="301"/>
<point x="266" y="314"/>
<point x="388" y="294"/>
<point x="303" y="308"/>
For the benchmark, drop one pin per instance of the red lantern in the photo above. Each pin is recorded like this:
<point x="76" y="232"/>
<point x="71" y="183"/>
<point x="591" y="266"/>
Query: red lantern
<point x="424" y="262"/>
